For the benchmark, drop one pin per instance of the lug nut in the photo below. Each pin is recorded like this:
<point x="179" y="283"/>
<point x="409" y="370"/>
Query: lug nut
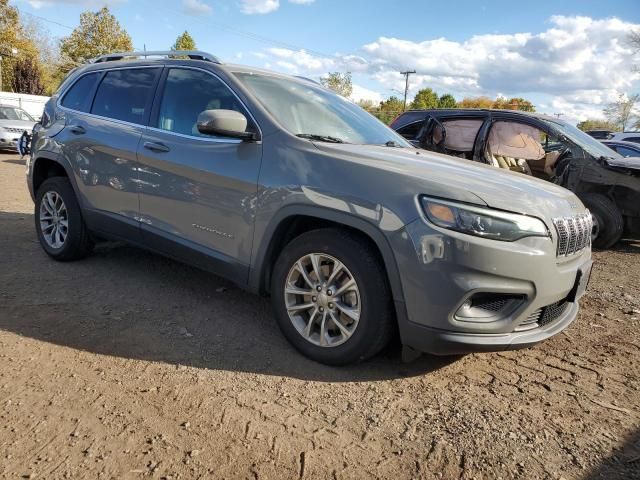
<point x="321" y="309"/>
<point x="314" y="299"/>
<point x="319" y="288"/>
<point x="331" y="305"/>
<point x="329" y="292"/>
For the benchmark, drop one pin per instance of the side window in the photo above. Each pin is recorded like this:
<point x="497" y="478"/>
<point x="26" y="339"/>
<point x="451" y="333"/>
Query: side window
<point x="186" y="94"/>
<point x="77" y="97"/>
<point x="627" y="152"/>
<point x="410" y="132"/>
<point x="632" y="139"/>
<point x="125" y="94"/>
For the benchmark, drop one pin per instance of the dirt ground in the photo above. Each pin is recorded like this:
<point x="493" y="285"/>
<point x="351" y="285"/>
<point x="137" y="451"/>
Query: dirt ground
<point x="129" y="365"/>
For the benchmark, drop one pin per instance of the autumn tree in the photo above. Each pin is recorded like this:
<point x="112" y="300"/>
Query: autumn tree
<point x="446" y="101"/>
<point x="476" y="102"/>
<point x="98" y="33"/>
<point x="184" y="42"/>
<point x="339" y="83"/>
<point x="595" y="124"/>
<point x="27" y="77"/>
<point x="13" y="38"/>
<point x="425" y="99"/>
<point x="622" y="112"/>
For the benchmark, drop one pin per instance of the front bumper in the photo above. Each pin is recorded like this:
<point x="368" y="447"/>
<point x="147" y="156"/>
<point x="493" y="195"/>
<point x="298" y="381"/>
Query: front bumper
<point x="445" y="269"/>
<point x="9" y="140"/>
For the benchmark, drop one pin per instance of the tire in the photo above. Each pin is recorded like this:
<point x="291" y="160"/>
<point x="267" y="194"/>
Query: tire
<point x="357" y="341"/>
<point x="77" y="242"/>
<point x="607" y="219"/>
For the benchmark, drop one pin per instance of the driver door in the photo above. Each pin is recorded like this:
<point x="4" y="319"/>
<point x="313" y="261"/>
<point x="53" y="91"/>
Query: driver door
<point x="197" y="191"/>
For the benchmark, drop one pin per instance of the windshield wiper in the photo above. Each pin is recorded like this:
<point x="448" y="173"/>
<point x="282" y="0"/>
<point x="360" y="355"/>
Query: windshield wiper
<point x="320" y="138"/>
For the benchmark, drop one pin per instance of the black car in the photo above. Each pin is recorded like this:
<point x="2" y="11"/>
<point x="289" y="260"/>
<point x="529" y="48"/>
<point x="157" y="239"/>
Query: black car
<point x="626" y="149"/>
<point x="540" y="146"/>
<point x="600" y="134"/>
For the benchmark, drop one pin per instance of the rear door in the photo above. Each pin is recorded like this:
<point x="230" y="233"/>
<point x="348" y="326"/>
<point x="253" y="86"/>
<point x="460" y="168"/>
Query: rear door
<point x="100" y="139"/>
<point x="198" y="192"/>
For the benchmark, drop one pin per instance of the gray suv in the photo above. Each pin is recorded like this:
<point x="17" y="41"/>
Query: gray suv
<point x="288" y="189"/>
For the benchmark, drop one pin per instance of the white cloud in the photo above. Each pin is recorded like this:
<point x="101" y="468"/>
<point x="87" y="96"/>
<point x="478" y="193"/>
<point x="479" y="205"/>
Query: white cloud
<point x="260" y="7"/>
<point x="252" y="7"/>
<point x="578" y="64"/>
<point x="195" y="7"/>
<point x="360" y="93"/>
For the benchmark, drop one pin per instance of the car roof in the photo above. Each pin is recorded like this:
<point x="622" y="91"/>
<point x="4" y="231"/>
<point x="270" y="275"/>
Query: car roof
<point x="622" y="143"/>
<point x="411" y="116"/>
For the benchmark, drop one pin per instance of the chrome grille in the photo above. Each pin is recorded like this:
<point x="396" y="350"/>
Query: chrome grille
<point x="574" y="233"/>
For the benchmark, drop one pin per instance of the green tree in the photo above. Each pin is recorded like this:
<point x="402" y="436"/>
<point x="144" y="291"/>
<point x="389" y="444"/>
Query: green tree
<point x="622" y="111"/>
<point x="425" y="99"/>
<point x="98" y="33"/>
<point x="446" y="101"/>
<point x="339" y="83"/>
<point x="594" y="124"/>
<point x="390" y="109"/>
<point x="27" y="77"/>
<point x="184" y="42"/>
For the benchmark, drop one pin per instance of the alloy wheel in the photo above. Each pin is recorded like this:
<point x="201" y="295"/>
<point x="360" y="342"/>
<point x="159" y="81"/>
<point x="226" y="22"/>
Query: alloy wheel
<point x="54" y="219"/>
<point x="322" y="300"/>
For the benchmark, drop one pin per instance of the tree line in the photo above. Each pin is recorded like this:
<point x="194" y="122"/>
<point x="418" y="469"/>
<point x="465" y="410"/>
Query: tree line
<point x="35" y="64"/>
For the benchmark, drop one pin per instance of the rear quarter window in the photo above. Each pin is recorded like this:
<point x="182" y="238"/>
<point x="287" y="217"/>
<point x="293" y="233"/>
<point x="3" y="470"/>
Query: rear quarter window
<point x="77" y="97"/>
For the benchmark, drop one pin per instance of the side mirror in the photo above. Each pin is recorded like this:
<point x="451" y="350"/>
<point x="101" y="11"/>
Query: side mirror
<point x="224" y="123"/>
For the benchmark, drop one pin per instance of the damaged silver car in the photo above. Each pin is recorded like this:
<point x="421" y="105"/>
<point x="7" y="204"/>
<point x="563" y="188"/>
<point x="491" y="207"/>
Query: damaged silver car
<point x="541" y="146"/>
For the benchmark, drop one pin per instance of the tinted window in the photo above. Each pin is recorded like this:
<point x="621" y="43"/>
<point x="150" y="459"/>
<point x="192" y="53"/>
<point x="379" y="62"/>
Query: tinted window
<point x="125" y="94"/>
<point x="627" y="152"/>
<point x="632" y="139"/>
<point x="410" y="131"/>
<point x="77" y="98"/>
<point x="187" y="93"/>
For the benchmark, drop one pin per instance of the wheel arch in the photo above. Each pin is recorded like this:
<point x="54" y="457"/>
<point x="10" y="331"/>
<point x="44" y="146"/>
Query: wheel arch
<point x="291" y="221"/>
<point x="47" y="165"/>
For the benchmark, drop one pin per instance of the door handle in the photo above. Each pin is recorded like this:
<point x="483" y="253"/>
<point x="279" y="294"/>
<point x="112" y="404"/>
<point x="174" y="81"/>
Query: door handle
<point x="156" y="147"/>
<point x="77" y="129"/>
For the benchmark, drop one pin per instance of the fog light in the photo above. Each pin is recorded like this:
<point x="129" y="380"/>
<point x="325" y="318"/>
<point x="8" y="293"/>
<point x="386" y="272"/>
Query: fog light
<point x="488" y="307"/>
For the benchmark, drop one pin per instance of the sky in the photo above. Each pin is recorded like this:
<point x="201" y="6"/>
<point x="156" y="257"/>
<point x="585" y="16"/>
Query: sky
<point x="568" y="57"/>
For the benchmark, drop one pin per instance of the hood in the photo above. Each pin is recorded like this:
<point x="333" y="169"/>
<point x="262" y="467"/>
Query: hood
<point x="625" y="164"/>
<point x="20" y="124"/>
<point x="497" y="188"/>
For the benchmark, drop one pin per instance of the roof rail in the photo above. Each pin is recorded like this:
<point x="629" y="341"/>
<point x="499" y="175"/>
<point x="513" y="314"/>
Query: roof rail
<point x="192" y="54"/>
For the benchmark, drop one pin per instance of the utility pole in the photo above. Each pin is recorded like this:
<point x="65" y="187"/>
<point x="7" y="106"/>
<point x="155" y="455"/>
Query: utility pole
<point x="558" y="114"/>
<point x="406" y="86"/>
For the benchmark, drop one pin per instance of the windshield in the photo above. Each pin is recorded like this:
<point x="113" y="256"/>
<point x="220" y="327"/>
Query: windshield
<point x="316" y="113"/>
<point x="583" y="140"/>
<point x="13" y="113"/>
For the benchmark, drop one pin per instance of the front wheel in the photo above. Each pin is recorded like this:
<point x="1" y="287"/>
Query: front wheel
<point x="608" y="223"/>
<point x="331" y="297"/>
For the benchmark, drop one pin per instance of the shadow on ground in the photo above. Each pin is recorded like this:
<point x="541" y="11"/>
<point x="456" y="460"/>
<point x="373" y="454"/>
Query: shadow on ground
<point x="129" y="303"/>
<point x="623" y="464"/>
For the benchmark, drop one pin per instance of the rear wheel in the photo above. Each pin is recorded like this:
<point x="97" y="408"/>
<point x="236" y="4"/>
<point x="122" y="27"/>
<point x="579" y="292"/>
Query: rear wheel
<point x="608" y="224"/>
<point x="331" y="298"/>
<point x="59" y="224"/>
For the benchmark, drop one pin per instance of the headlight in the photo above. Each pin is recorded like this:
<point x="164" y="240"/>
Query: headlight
<point x="482" y="222"/>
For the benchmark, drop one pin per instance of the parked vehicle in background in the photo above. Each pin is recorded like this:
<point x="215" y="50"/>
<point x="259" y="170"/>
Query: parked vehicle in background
<point x="13" y="123"/>
<point x="626" y="137"/>
<point x="286" y="188"/>
<point x="626" y="149"/>
<point x="539" y="146"/>
<point x="32" y="104"/>
<point x="600" y="134"/>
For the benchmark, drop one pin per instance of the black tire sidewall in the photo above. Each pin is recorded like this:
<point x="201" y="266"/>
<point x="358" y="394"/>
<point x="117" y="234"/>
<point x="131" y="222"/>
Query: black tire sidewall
<point x="609" y="218"/>
<point x="375" y="312"/>
<point x="73" y="245"/>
